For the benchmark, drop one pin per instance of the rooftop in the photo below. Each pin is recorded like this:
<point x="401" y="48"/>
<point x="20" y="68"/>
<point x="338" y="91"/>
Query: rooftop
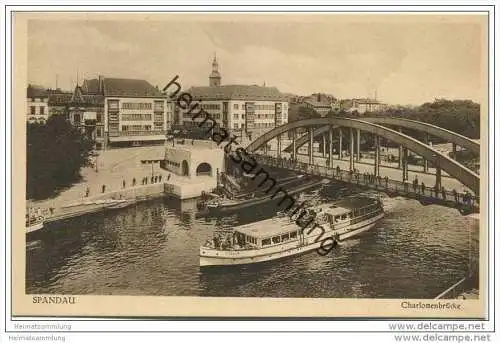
<point x="237" y="92"/>
<point x="120" y="87"/>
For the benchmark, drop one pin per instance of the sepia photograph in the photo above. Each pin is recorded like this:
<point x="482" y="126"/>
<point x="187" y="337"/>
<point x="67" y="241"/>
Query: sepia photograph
<point x="250" y="164"/>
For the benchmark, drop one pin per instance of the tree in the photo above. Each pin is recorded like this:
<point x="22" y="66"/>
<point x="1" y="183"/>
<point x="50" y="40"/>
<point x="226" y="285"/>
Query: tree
<point x="56" y="152"/>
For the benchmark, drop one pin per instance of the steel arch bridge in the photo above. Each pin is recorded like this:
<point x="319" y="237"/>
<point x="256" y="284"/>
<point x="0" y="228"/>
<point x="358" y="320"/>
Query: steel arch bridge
<point x="453" y="168"/>
<point x="430" y="129"/>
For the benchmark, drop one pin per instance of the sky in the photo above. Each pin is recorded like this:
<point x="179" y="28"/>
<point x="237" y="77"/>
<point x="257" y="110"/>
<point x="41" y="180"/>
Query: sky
<point x="403" y="59"/>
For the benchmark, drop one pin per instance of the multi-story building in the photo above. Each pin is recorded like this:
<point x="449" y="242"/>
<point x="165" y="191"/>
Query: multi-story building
<point x="118" y="112"/>
<point x="366" y="105"/>
<point x="38" y="104"/>
<point x="244" y="110"/>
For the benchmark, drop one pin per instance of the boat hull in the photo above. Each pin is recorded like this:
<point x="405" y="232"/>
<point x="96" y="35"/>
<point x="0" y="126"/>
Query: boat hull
<point x="34" y="227"/>
<point x="287" y="250"/>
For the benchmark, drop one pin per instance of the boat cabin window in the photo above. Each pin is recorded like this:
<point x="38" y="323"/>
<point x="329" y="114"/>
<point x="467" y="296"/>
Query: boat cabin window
<point x="276" y="239"/>
<point x="337" y="218"/>
<point x="293" y="235"/>
<point x="266" y="241"/>
<point x="344" y="217"/>
<point x="284" y="237"/>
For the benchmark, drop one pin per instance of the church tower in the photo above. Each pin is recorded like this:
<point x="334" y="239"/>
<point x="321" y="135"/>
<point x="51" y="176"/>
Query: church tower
<point x="214" y="78"/>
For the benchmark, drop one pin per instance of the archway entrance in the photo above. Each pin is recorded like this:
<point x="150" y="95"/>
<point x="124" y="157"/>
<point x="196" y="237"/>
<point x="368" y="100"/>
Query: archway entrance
<point x="185" y="168"/>
<point x="204" y="169"/>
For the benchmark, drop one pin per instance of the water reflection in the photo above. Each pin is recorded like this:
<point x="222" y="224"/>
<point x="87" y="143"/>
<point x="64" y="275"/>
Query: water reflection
<point x="152" y="249"/>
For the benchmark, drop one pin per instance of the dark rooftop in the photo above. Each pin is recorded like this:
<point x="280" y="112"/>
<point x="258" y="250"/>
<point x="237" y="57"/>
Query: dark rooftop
<point x="237" y="92"/>
<point x="120" y="87"/>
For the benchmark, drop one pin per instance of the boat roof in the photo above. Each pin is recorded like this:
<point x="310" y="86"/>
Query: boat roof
<point x="332" y="209"/>
<point x="268" y="228"/>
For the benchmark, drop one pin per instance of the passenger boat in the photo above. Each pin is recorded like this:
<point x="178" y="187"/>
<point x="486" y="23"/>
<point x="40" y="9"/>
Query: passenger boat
<point x="34" y="223"/>
<point x="221" y="206"/>
<point x="282" y="236"/>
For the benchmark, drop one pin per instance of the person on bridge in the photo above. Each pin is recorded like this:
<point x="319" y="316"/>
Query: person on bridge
<point x="133" y="181"/>
<point x="423" y="188"/>
<point x="415" y="184"/>
<point x="443" y="193"/>
<point x="386" y="182"/>
<point x="455" y="195"/>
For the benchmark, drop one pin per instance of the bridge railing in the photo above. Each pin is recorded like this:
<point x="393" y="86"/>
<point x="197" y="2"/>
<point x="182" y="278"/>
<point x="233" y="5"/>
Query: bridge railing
<point x="378" y="183"/>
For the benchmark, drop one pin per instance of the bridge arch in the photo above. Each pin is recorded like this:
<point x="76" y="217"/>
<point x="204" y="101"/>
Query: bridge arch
<point x="453" y="168"/>
<point x="432" y="130"/>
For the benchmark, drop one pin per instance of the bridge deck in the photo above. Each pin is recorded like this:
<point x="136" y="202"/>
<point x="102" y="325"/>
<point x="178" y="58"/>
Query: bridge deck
<point x="426" y="196"/>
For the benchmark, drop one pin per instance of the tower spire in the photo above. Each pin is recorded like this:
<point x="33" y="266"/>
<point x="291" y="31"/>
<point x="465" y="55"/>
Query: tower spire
<point x="214" y="78"/>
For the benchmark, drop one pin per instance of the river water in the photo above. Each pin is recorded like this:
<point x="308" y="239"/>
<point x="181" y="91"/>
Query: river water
<point x="152" y="248"/>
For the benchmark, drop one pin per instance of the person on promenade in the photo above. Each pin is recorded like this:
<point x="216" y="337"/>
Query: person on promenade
<point x="124" y="184"/>
<point x="103" y="188"/>
<point x="159" y="178"/>
<point x="152" y="179"/>
<point x="168" y="178"/>
<point x="133" y="182"/>
<point x="87" y="192"/>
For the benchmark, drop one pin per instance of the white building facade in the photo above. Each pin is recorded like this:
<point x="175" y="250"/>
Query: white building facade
<point x="243" y="110"/>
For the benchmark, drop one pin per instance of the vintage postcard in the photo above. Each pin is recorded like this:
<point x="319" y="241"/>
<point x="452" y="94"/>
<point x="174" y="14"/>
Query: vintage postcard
<point x="250" y="165"/>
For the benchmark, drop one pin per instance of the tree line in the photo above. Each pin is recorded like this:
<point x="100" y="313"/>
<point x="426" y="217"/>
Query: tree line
<point x="56" y="152"/>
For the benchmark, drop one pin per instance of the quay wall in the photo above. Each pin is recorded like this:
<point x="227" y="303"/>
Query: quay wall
<point x="155" y="189"/>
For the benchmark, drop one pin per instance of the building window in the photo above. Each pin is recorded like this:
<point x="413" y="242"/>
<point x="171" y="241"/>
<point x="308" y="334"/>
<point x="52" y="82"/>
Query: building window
<point x="235" y="106"/>
<point x="235" y="116"/>
<point x="242" y="116"/>
<point x="98" y="132"/>
<point x="159" y="106"/>
<point x="42" y="110"/>
<point x="136" y="116"/>
<point x="242" y="126"/>
<point x="33" y="110"/>
<point x="136" y="106"/>
<point x="99" y="117"/>
<point x="113" y="104"/>
<point x="235" y="125"/>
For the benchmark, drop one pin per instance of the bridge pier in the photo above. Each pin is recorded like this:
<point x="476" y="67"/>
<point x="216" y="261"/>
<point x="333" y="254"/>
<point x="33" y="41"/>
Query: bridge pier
<point x="340" y="143"/>
<point x="330" y="146"/>
<point x="311" y="160"/>
<point x="426" y="163"/>
<point x="324" y="145"/>
<point x="438" y="178"/>
<point x="351" y="149"/>
<point x="377" y="156"/>
<point x="400" y="153"/>
<point x="278" y="146"/>
<point x="405" y="164"/>
<point x="358" y="143"/>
